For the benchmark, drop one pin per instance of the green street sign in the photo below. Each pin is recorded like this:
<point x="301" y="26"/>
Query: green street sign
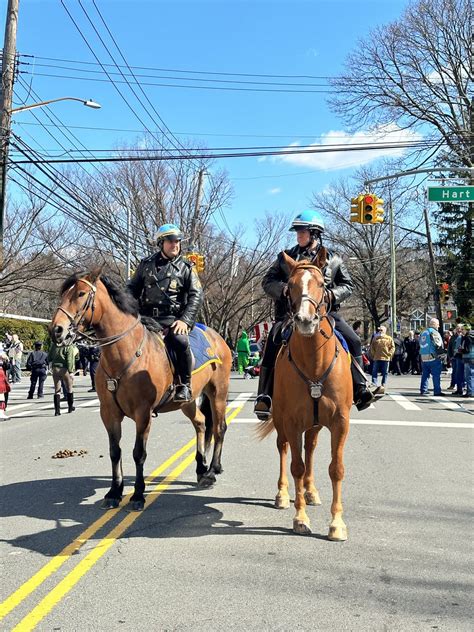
<point x="451" y="194"/>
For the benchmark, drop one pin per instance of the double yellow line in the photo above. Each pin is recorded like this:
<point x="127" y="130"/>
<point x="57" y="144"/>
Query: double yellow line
<point x="31" y="620"/>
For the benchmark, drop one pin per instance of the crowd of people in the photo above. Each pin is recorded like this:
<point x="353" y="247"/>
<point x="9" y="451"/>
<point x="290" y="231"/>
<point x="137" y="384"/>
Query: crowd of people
<point x="63" y="363"/>
<point x="423" y="353"/>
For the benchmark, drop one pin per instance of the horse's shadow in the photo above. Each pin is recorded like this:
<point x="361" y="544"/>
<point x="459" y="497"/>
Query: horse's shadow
<point x="181" y="511"/>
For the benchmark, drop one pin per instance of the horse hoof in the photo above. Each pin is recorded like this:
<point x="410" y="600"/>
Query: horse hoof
<point x="206" y="481"/>
<point x="301" y="528"/>
<point x="312" y="498"/>
<point x="282" y="502"/>
<point x="337" y="533"/>
<point x="110" y="503"/>
<point x="136" y="505"/>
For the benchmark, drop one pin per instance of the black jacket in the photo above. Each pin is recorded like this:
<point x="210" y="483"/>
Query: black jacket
<point x="336" y="278"/>
<point x="37" y="361"/>
<point x="167" y="290"/>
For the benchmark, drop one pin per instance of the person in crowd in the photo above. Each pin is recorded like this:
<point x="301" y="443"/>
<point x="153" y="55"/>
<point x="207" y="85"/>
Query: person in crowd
<point x="397" y="360"/>
<point x="418" y="355"/>
<point x="93" y="356"/>
<point x="7" y="341"/>
<point x="451" y="353"/>
<point x="412" y="350"/>
<point x="357" y="327"/>
<point x="466" y="349"/>
<point x="309" y="227"/>
<point x="459" y="375"/>
<point x="5" y="387"/>
<point x="243" y="352"/>
<point x="62" y="360"/>
<point x="37" y="363"/>
<point x="431" y="352"/>
<point x="382" y="349"/>
<point x="15" y="355"/>
<point x="83" y="358"/>
<point x="169" y="291"/>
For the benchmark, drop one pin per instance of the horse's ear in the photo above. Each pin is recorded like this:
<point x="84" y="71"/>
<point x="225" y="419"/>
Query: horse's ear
<point x="95" y="273"/>
<point x="291" y="263"/>
<point x="321" y="258"/>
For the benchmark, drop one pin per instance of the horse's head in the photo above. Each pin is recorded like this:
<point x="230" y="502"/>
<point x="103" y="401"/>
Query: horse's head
<point x="78" y="310"/>
<point x="306" y="292"/>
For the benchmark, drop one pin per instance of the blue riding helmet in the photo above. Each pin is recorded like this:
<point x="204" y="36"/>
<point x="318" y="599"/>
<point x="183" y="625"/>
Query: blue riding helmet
<point x="309" y="220"/>
<point x="168" y="230"/>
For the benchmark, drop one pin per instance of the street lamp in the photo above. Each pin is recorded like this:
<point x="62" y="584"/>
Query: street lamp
<point x="89" y="103"/>
<point x="5" y="116"/>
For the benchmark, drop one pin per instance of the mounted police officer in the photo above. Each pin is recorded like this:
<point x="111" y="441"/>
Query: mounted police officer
<point x="37" y="363"/>
<point x="309" y="227"/>
<point x="168" y="290"/>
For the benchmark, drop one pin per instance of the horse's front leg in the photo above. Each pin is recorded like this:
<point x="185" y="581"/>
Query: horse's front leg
<point x="339" y="431"/>
<point x="282" y="499"/>
<point x="114" y="495"/>
<point x="311" y="494"/>
<point x="143" y="425"/>
<point x="219" y="428"/>
<point x="301" y="523"/>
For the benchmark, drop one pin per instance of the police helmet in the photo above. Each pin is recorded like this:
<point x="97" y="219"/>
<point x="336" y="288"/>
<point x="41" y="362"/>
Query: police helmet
<point x="168" y="230"/>
<point x="308" y="220"/>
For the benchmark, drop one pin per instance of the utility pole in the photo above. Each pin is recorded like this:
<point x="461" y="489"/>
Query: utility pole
<point x="434" y="283"/>
<point x="6" y="96"/>
<point x="393" y="269"/>
<point x="192" y="235"/>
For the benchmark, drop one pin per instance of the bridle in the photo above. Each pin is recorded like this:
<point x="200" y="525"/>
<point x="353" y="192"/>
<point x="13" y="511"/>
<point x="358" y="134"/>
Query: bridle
<point x="306" y="297"/>
<point x="76" y="320"/>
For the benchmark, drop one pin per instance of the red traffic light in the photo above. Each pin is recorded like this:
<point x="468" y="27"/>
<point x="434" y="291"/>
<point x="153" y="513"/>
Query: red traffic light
<point x="368" y="199"/>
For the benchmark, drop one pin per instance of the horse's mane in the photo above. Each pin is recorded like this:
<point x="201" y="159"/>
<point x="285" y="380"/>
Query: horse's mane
<point x="122" y="299"/>
<point x="306" y="265"/>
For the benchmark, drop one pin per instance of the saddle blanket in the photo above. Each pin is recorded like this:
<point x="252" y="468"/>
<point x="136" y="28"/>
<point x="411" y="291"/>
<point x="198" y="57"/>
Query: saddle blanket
<point x="201" y="346"/>
<point x="342" y="340"/>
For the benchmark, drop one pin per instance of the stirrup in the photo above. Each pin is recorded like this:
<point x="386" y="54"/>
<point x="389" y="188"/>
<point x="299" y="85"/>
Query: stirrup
<point x="365" y="398"/>
<point x="182" y="394"/>
<point x="263" y="407"/>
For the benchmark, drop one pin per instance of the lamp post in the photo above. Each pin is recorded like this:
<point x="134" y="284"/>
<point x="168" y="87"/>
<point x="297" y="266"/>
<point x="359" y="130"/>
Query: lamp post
<point x="5" y="119"/>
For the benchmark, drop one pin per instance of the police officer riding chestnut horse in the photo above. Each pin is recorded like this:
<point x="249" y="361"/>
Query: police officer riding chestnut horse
<point x="307" y="379"/>
<point x="135" y="377"/>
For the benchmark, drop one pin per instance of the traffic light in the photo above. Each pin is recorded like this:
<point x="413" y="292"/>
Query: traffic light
<point x="444" y="292"/>
<point x="356" y="209"/>
<point x="368" y="208"/>
<point x="200" y="265"/>
<point x="193" y="258"/>
<point x="378" y="210"/>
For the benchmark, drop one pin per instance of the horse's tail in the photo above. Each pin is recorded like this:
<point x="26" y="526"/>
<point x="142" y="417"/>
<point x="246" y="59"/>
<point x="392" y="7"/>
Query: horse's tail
<point x="264" y="429"/>
<point x="206" y="410"/>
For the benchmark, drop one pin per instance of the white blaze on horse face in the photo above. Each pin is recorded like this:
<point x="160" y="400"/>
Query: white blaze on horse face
<point x="304" y="311"/>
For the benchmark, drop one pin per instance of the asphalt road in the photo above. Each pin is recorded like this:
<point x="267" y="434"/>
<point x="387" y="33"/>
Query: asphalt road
<point x="224" y="557"/>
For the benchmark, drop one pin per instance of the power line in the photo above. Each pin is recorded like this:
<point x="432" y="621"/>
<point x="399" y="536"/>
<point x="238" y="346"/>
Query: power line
<point x="236" y="154"/>
<point x="176" y="85"/>
<point x="199" y="72"/>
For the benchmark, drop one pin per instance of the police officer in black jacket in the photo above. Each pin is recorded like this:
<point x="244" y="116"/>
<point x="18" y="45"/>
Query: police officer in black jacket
<point x="309" y="226"/>
<point x="37" y="363"/>
<point x="168" y="290"/>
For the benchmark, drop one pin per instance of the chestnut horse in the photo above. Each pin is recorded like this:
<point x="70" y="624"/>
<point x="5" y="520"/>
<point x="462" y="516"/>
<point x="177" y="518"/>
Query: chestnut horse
<point x="134" y="375"/>
<point x="312" y="362"/>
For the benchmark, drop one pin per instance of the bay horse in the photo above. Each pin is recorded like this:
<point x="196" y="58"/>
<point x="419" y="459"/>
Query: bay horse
<point x="313" y="388"/>
<point x="134" y="375"/>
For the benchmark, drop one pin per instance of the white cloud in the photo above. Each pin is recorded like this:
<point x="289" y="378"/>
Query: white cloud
<point x="274" y="191"/>
<point x="345" y="159"/>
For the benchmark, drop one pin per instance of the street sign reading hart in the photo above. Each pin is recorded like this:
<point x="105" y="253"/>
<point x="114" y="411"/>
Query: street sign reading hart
<point x="451" y="194"/>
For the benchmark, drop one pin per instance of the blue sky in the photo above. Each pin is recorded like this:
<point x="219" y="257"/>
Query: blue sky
<point x="266" y="36"/>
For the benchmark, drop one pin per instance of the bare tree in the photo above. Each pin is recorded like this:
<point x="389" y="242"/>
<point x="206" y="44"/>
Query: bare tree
<point x="416" y="72"/>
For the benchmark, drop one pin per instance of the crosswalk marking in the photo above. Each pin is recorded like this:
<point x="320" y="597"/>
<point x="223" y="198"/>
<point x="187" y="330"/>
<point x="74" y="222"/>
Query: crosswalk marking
<point x="241" y="398"/>
<point x="404" y="402"/>
<point x="380" y="422"/>
<point x="446" y="402"/>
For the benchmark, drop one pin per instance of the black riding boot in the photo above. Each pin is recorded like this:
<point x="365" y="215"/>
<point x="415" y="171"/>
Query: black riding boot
<point x="57" y="405"/>
<point x="363" y="397"/>
<point x="183" y="391"/>
<point x="70" y="402"/>
<point x="263" y="402"/>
